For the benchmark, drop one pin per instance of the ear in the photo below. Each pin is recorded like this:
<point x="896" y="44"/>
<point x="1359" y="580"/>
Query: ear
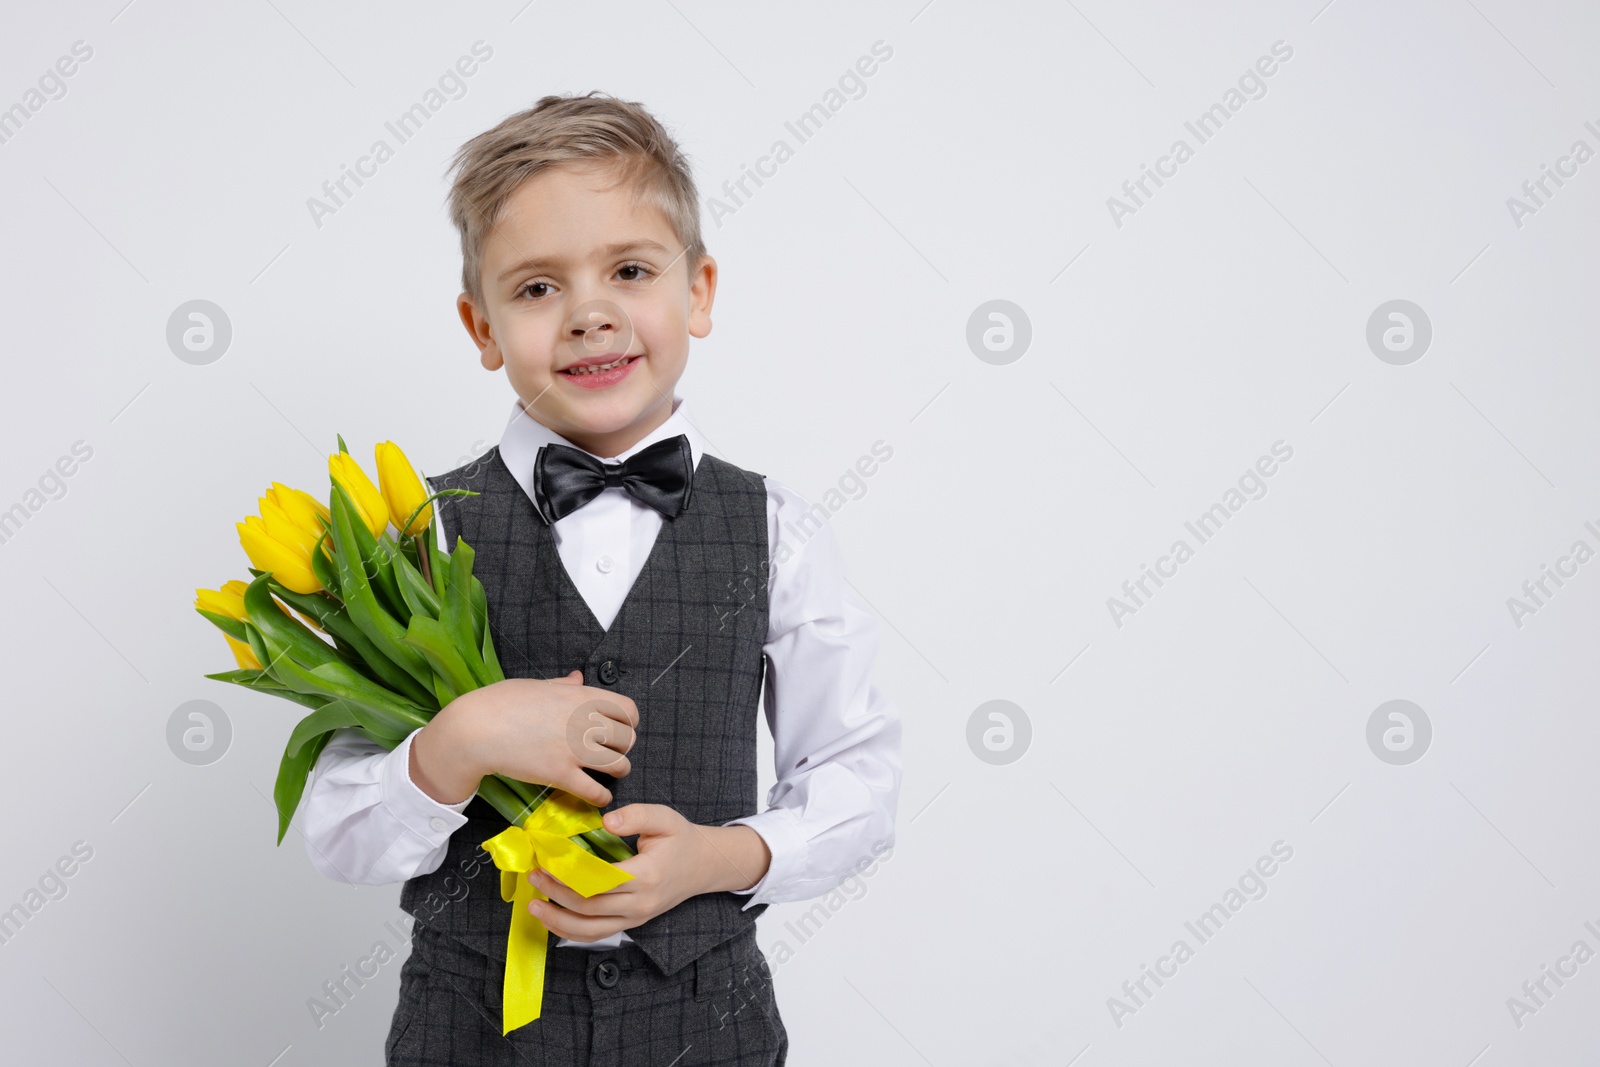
<point x="702" y="292"/>
<point x="481" y="332"/>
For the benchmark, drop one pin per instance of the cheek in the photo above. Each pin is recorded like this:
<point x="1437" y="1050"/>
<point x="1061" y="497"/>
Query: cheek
<point x="529" y="342"/>
<point x="662" y="326"/>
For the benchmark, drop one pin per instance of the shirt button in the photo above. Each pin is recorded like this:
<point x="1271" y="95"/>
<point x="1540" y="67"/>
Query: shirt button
<point x="438" y="824"/>
<point x="604" y="563"/>
<point x="608" y="672"/>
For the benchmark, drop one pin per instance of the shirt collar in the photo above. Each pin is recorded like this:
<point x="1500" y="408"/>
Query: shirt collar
<point x="525" y="435"/>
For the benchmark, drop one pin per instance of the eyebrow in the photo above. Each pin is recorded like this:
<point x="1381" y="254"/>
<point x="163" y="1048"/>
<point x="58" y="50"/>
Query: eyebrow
<point x="608" y="251"/>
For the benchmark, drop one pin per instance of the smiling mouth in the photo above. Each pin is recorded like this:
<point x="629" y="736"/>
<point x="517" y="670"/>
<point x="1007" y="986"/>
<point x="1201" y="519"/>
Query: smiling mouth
<point x="581" y="370"/>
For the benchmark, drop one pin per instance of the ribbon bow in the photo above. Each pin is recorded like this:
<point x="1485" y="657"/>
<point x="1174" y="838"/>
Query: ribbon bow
<point x="542" y="841"/>
<point x="660" y="476"/>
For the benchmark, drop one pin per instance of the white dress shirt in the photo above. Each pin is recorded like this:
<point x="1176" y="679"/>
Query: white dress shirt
<point x="836" y="737"/>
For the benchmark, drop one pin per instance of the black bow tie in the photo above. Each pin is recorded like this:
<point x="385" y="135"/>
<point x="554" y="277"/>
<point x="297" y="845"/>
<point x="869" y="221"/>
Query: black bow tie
<point x="661" y="477"/>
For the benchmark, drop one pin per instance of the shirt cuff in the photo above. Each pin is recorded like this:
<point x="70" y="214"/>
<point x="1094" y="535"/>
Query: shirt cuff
<point x="780" y="829"/>
<point x="414" y="809"/>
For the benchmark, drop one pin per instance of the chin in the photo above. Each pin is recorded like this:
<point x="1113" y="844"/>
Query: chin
<point x="606" y="414"/>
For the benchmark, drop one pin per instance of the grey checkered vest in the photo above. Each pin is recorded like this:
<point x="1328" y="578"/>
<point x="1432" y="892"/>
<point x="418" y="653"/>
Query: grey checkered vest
<point x="686" y="646"/>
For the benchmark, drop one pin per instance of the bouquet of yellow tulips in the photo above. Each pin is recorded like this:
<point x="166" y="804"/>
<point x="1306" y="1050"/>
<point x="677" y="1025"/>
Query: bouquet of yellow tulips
<point x="382" y="631"/>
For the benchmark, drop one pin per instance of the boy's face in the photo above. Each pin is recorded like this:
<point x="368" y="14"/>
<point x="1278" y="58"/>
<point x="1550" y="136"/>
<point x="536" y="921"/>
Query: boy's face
<point x="574" y="274"/>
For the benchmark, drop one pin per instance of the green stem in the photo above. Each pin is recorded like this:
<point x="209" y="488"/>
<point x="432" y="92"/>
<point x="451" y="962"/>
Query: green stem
<point x="422" y="554"/>
<point x="431" y="498"/>
<point x="504" y="799"/>
<point x="607" y="845"/>
<point x="532" y="795"/>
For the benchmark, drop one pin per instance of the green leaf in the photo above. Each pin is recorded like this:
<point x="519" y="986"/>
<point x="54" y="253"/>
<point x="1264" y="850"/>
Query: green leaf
<point x="442" y="690"/>
<point x="440" y="565"/>
<point x="283" y="629"/>
<point x="430" y="636"/>
<point x="246" y="676"/>
<point x="226" y="623"/>
<point x="387" y="635"/>
<point x="362" y="667"/>
<point x="379" y="626"/>
<point x="335" y="618"/>
<point x="491" y="661"/>
<point x="324" y="568"/>
<point x="262" y="682"/>
<point x="353" y="543"/>
<point x="361" y="549"/>
<point x="408" y="549"/>
<point x="385" y="553"/>
<point x="419" y="595"/>
<point x="343" y="449"/>
<point x="480" y="612"/>
<point x="334" y="715"/>
<point x="291" y="784"/>
<point x="380" y="711"/>
<point x="258" y="647"/>
<point x="456" y="618"/>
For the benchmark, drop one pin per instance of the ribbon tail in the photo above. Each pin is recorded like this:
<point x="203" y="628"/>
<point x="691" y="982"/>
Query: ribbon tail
<point x="542" y="841"/>
<point x="526" y="946"/>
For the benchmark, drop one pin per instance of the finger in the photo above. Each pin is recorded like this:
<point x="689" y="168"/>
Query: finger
<point x="569" y="678"/>
<point x="581" y="785"/>
<point x="613" y="707"/>
<point x="616" y="706"/>
<point x="564" y="895"/>
<point x="564" y="923"/>
<point x="603" y="740"/>
<point x="614" y="733"/>
<point x="608" y="760"/>
<point x="617" y="766"/>
<point x="626" y="736"/>
<point x="631" y="819"/>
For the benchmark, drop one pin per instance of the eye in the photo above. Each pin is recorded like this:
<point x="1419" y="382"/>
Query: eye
<point x="526" y="292"/>
<point x="642" y="271"/>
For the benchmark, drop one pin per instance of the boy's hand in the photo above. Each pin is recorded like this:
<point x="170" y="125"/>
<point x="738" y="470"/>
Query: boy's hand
<point x="541" y="731"/>
<point x="677" y="859"/>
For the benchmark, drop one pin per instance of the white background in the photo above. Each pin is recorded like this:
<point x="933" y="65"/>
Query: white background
<point x="1167" y="754"/>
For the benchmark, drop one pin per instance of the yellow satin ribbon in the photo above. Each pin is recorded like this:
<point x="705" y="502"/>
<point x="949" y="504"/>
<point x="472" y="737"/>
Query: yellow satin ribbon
<point x="542" y="841"/>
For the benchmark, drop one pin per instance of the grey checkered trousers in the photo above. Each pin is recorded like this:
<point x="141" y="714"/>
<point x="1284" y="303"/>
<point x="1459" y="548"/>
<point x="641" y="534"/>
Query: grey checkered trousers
<point x="686" y="646"/>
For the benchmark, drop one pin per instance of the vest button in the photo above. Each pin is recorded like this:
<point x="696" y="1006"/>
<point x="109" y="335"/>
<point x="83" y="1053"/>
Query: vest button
<point x="608" y="672"/>
<point x="606" y="974"/>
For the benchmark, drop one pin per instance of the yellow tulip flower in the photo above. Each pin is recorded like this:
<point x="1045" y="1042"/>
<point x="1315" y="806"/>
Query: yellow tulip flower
<point x="243" y="654"/>
<point x="369" y="502"/>
<point x="227" y="601"/>
<point x="303" y="509"/>
<point x="402" y="489"/>
<point x="288" y="560"/>
<point x="285" y="530"/>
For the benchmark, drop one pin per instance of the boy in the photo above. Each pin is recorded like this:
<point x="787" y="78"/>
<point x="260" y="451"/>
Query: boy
<point x="637" y="593"/>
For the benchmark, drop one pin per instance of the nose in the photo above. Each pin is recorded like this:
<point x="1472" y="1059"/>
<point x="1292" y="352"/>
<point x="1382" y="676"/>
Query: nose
<point x="591" y="328"/>
<point x="596" y="327"/>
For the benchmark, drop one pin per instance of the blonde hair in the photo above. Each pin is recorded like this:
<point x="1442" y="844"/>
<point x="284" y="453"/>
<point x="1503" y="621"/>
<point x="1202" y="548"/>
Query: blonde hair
<point x="595" y="128"/>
